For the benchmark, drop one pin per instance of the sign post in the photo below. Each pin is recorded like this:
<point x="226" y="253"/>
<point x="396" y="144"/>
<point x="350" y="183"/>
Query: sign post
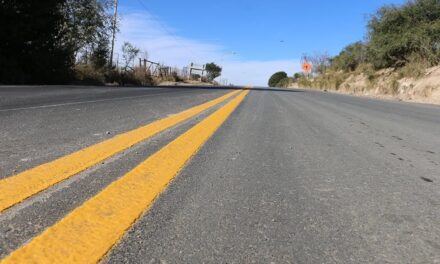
<point x="307" y="68"/>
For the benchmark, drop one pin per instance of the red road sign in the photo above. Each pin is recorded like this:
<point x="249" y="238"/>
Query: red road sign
<point x="307" y="67"/>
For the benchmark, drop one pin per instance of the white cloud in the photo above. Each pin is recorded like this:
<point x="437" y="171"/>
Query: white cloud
<point x="146" y="32"/>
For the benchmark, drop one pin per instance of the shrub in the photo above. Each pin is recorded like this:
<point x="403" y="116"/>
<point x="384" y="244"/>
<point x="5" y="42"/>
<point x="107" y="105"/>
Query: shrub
<point x="138" y="77"/>
<point x="176" y="76"/>
<point x="427" y="91"/>
<point x="304" y="82"/>
<point x="394" y="86"/>
<point x="350" y="57"/>
<point x="415" y="67"/>
<point x="276" y="78"/>
<point x="113" y="76"/>
<point x="86" y="74"/>
<point x="396" y="33"/>
<point x="196" y="76"/>
<point x="284" y="83"/>
<point x="297" y="76"/>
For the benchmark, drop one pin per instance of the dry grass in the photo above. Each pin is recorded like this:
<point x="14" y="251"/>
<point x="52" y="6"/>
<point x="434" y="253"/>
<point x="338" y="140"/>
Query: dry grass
<point x="415" y="68"/>
<point x="427" y="91"/>
<point x="85" y="74"/>
<point x="142" y="78"/>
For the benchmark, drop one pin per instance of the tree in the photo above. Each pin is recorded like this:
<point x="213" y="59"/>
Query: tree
<point x="397" y="33"/>
<point x="213" y="71"/>
<point x="88" y="25"/>
<point x="297" y="76"/>
<point x="100" y="53"/>
<point x="32" y="49"/>
<point x="129" y="53"/>
<point x="284" y="83"/>
<point x="41" y="40"/>
<point x="350" y="57"/>
<point x="320" y="61"/>
<point x="276" y="78"/>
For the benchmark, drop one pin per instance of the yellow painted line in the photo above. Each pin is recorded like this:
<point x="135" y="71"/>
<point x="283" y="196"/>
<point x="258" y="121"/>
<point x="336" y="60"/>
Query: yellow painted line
<point x="88" y="232"/>
<point x="17" y="188"/>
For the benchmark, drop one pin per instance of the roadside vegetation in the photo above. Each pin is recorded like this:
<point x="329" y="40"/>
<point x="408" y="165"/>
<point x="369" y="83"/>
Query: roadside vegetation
<point x="399" y="56"/>
<point x="276" y="78"/>
<point x="69" y="42"/>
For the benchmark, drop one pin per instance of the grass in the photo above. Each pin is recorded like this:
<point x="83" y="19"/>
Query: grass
<point x="427" y="91"/>
<point x="394" y="86"/>
<point x="415" y="68"/>
<point x="85" y="74"/>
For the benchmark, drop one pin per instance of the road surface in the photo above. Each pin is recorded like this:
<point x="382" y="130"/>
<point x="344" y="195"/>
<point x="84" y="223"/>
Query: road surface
<point x="254" y="175"/>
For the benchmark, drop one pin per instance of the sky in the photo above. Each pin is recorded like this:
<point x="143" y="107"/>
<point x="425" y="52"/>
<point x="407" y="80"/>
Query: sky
<point x="250" y="39"/>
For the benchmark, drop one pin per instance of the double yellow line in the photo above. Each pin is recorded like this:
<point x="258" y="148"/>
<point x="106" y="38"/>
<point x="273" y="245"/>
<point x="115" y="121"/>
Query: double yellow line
<point x="87" y="233"/>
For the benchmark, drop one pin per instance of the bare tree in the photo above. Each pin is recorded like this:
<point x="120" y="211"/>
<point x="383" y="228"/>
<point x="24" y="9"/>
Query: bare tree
<point x="129" y="53"/>
<point x="320" y="61"/>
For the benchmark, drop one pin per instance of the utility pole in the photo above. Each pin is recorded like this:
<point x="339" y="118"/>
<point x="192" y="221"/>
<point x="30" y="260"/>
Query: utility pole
<point x="115" y="18"/>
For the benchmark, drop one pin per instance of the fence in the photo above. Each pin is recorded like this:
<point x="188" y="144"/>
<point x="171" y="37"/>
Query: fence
<point x="155" y="69"/>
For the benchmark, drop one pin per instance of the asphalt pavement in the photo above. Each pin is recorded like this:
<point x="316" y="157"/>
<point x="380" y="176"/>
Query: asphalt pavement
<point x="291" y="176"/>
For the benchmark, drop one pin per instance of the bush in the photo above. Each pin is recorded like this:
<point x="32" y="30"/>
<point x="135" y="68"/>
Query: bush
<point x="350" y="58"/>
<point x="176" y="76"/>
<point x="405" y="36"/>
<point x="276" y="78"/>
<point x="304" y="82"/>
<point x="397" y="33"/>
<point x="285" y="83"/>
<point x="415" y="67"/>
<point x="196" y="76"/>
<point x="394" y="86"/>
<point x="113" y="76"/>
<point x="297" y="76"/>
<point x="137" y="77"/>
<point x="86" y="74"/>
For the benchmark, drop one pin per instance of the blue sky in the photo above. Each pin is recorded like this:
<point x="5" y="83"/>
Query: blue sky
<point x="250" y="39"/>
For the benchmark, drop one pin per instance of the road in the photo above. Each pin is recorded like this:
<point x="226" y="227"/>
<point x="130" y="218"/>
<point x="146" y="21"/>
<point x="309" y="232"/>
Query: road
<point x="254" y="175"/>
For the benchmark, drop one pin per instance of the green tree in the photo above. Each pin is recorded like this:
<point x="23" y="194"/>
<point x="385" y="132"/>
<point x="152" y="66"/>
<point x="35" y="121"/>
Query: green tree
<point x="100" y="53"/>
<point x="32" y="48"/>
<point x="297" y="76"/>
<point x="350" y="57"/>
<point x="213" y="71"/>
<point x="397" y="33"/>
<point x="41" y="40"/>
<point x="88" y="25"/>
<point x="276" y="78"/>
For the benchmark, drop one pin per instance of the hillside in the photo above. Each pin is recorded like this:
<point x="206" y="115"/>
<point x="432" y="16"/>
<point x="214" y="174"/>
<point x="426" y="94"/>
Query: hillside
<point x="386" y="83"/>
<point x="399" y="57"/>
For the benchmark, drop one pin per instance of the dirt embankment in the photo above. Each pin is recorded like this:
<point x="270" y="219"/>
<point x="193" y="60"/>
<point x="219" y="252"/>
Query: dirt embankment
<point x="387" y="83"/>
